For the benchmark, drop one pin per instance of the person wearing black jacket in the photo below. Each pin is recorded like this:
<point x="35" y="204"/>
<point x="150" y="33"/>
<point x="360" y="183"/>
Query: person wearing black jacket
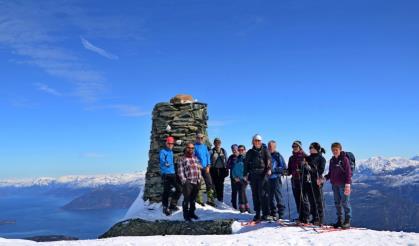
<point x="257" y="168"/>
<point x="300" y="181"/>
<point x="317" y="163"/>
<point x="218" y="169"/>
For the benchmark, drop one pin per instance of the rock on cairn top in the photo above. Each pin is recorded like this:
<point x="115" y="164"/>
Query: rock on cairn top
<point x="182" y="119"/>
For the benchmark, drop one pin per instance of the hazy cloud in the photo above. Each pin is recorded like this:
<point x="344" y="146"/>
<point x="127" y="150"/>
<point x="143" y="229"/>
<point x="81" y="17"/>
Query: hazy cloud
<point x="97" y="50"/>
<point x="35" y="31"/>
<point x="45" y="88"/>
<point x="128" y="110"/>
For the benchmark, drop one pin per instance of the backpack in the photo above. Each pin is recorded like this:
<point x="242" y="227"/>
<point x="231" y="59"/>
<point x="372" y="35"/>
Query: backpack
<point x="352" y="163"/>
<point x="281" y="163"/>
<point x="222" y="153"/>
<point x="351" y="158"/>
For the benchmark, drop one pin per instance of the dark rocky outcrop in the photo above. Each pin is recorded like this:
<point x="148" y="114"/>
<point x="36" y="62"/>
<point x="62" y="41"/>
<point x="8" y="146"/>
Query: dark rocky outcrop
<point x="51" y="238"/>
<point x="139" y="227"/>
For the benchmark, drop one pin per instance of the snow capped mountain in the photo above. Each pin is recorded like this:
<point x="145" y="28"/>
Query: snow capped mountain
<point x="415" y="158"/>
<point x="394" y="171"/>
<point x="130" y="179"/>
<point x="379" y="164"/>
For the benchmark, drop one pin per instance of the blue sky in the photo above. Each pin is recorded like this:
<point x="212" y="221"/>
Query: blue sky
<point x="79" y="79"/>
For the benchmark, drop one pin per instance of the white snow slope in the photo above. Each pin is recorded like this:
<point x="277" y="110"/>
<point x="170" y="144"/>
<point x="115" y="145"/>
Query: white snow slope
<point x="265" y="234"/>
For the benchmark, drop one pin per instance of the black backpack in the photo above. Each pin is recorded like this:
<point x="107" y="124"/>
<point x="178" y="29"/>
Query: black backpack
<point x="224" y="154"/>
<point x="351" y="158"/>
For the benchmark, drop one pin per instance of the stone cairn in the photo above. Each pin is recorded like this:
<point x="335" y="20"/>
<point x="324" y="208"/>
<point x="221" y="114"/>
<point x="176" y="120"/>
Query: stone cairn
<point x="182" y="119"/>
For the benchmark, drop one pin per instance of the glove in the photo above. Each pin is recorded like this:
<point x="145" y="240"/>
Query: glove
<point x="347" y="191"/>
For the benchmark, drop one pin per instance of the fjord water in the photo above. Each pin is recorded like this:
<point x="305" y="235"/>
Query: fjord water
<point x="38" y="215"/>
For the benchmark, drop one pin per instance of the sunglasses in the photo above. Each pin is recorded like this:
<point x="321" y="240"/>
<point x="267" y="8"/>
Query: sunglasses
<point x="311" y="147"/>
<point x="241" y="150"/>
<point x="295" y="146"/>
<point x="256" y="140"/>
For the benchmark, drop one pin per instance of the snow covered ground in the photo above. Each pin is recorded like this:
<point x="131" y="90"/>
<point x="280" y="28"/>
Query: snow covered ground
<point x="265" y="234"/>
<point x="143" y="210"/>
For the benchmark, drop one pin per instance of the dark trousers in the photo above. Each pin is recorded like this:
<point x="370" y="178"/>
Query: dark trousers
<point x="241" y="186"/>
<point x="276" y="203"/>
<point x="316" y="204"/>
<point x="218" y="176"/>
<point x="234" y="193"/>
<point x="169" y="182"/>
<point x="190" y="192"/>
<point x="260" y="190"/>
<point x="301" y="195"/>
<point x="208" y="186"/>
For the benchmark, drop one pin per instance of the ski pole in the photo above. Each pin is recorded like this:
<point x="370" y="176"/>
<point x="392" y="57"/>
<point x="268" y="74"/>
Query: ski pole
<point x="321" y="196"/>
<point x="301" y="190"/>
<point x="288" y="195"/>
<point x="314" y="198"/>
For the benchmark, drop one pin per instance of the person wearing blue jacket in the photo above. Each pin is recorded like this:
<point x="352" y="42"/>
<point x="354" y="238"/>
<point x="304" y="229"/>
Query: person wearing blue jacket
<point x="276" y="204"/>
<point x="202" y="153"/>
<point x="237" y="174"/>
<point x="168" y="173"/>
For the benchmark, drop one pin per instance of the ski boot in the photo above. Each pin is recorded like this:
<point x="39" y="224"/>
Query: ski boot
<point x="347" y="223"/>
<point x="338" y="223"/>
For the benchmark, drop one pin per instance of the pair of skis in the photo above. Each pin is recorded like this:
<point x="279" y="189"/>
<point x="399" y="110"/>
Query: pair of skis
<point x="311" y="227"/>
<point x="306" y="227"/>
<point x="256" y="222"/>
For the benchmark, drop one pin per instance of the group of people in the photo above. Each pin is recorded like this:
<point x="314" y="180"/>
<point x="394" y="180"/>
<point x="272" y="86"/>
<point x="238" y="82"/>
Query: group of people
<point x="262" y="167"/>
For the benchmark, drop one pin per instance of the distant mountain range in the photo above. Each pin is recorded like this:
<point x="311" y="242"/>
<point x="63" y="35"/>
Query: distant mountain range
<point x="84" y="192"/>
<point x="93" y="181"/>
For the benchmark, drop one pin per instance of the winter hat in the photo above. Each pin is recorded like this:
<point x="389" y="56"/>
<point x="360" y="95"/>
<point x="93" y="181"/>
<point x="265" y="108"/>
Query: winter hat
<point x="257" y="137"/>
<point x="234" y="146"/>
<point x="170" y="140"/>
<point x="217" y="140"/>
<point x="298" y="142"/>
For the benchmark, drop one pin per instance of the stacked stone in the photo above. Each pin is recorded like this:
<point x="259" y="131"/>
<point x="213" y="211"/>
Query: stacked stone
<point x="181" y="119"/>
